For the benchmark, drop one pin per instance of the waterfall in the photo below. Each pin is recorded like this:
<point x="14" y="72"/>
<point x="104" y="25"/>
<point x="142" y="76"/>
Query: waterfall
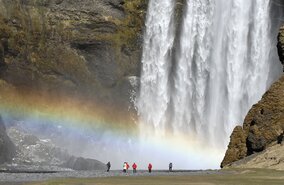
<point x="219" y="69"/>
<point x="159" y="40"/>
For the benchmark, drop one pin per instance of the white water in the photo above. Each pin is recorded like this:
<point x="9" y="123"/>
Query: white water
<point x="159" y="39"/>
<point x="221" y="69"/>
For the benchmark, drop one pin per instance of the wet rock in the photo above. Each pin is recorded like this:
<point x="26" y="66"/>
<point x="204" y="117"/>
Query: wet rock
<point x="30" y="140"/>
<point x="84" y="164"/>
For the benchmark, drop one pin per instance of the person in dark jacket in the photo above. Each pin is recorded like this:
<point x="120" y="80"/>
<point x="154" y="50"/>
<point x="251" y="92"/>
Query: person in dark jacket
<point x="108" y="166"/>
<point x="170" y="167"/>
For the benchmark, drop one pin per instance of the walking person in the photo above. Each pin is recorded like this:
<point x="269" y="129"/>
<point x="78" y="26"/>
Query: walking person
<point x="170" y="167"/>
<point x="127" y="166"/>
<point x="124" y="167"/>
<point x="134" y="166"/>
<point x="150" y="167"/>
<point x="108" y="166"/>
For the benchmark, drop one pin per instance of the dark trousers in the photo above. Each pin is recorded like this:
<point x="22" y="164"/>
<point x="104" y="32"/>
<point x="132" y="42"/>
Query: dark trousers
<point x="150" y="170"/>
<point x="134" y="170"/>
<point x="124" y="170"/>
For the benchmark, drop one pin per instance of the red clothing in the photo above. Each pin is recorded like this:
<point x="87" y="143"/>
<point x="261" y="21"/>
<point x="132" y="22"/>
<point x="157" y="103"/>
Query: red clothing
<point x="127" y="166"/>
<point x="134" y="166"/>
<point x="150" y="166"/>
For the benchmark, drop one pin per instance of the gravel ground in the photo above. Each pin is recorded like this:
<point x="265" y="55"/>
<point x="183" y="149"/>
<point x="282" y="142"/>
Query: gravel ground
<point x="20" y="178"/>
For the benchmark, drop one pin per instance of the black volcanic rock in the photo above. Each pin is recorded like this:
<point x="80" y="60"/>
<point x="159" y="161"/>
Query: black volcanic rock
<point x="7" y="148"/>
<point x="280" y="45"/>
<point x="255" y="143"/>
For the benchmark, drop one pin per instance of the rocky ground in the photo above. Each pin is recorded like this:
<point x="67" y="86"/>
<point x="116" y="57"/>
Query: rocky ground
<point x="271" y="158"/>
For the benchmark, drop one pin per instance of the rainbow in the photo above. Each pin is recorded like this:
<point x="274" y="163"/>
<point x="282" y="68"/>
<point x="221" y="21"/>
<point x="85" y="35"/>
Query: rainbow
<point x="124" y="135"/>
<point x="69" y="111"/>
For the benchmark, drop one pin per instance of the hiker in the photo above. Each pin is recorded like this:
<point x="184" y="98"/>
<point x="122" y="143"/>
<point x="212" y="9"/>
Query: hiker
<point x="127" y="166"/>
<point x="134" y="166"/>
<point x="170" y="167"/>
<point x="108" y="166"/>
<point x="124" y="167"/>
<point x="150" y="167"/>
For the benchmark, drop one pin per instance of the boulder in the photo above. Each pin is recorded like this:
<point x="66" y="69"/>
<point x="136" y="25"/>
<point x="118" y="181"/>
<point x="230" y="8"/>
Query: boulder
<point x="80" y="163"/>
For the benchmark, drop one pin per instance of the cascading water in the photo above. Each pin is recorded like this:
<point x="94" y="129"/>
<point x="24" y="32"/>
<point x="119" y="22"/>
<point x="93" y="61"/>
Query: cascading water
<point x="221" y="67"/>
<point x="159" y="40"/>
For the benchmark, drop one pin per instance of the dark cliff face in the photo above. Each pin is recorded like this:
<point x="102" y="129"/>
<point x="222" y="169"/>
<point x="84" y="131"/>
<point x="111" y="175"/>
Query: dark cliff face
<point x="280" y="45"/>
<point x="7" y="148"/>
<point x="264" y="124"/>
<point x="70" y="47"/>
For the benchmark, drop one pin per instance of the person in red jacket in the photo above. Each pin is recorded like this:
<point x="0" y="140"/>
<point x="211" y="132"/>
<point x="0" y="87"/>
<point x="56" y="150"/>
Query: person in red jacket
<point x="127" y="166"/>
<point x="134" y="166"/>
<point x="150" y="167"/>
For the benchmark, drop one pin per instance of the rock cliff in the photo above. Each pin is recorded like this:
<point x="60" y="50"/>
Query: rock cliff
<point x="7" y="148"/>
<point x="69" y="47"/>
<point x="34" y="153"/>
<point x="264" y="124"/>
<point x="87" y="50"/>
